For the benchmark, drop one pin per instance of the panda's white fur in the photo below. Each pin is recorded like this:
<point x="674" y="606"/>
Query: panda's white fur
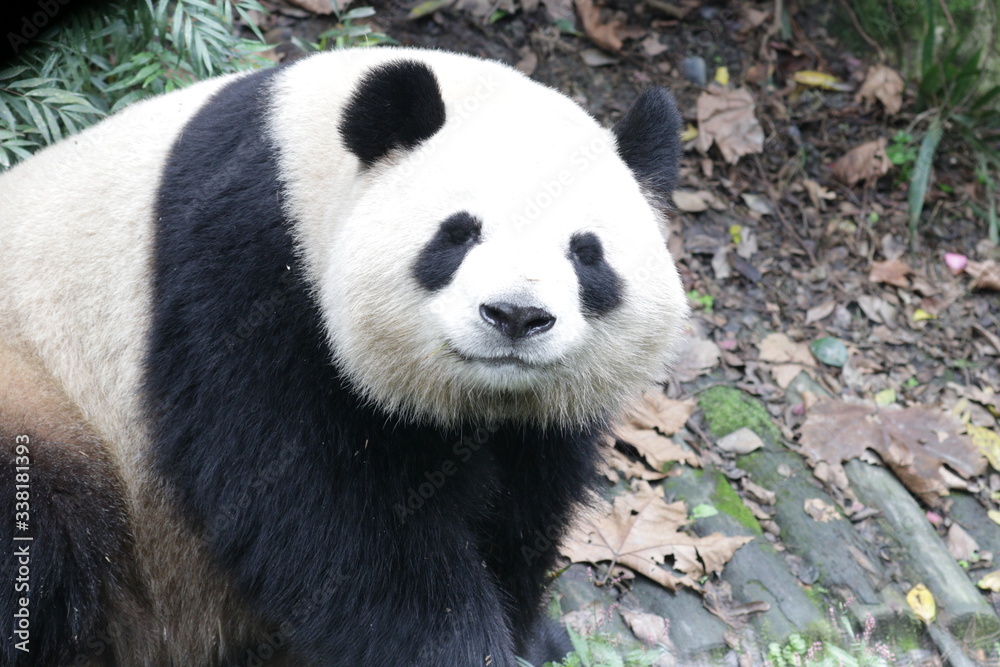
<point x="77" y="223"/>
<point x="76" y="226"/>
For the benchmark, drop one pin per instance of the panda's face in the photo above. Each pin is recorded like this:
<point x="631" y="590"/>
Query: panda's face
<point x="508" y="267"/>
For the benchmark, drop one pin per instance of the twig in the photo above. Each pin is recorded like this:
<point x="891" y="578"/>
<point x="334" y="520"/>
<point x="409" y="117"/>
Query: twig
<point x="985" y="333"/>
<point x="861" y="31"/>
<point x="773" y="194"/>
<point x="947" y="14"/>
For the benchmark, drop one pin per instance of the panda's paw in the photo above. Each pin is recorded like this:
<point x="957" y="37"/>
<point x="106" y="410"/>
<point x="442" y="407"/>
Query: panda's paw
<point x="549" y="642"/>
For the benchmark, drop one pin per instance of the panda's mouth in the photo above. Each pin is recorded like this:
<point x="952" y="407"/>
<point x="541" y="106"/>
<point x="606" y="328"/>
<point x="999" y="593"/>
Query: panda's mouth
<point x="505" y="361"/>
<point x="508" y="360"/>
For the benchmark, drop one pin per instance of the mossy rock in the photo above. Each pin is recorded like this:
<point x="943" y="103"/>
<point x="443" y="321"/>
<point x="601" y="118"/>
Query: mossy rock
<point x="727" y="410"/>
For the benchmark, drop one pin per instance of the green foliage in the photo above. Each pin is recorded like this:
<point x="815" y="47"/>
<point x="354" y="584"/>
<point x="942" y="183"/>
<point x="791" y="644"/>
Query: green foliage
<point x="104" y="58"/>
<point x="705" y="301"/>
<point x="959" y="105"/>
<point x="902" y="152"/>
<point x="840" y="647"/>
<point x="601" y="650"/>
<point x="346" y="34"/>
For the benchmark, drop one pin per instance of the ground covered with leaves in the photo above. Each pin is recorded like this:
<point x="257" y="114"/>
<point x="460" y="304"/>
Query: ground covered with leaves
<point x="818" y="484"/>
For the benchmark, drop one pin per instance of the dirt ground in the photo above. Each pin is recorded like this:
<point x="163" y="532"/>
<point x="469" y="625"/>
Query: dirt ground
<point x="872" y="354"/>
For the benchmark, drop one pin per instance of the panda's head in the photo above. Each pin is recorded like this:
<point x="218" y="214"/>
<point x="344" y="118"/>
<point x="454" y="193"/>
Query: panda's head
<point x="498" y="255"/>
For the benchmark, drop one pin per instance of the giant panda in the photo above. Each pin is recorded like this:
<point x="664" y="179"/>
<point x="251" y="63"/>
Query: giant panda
<point x="296" y="365"/>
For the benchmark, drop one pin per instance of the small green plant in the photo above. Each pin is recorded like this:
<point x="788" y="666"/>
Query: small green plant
<point x="347" y="34"/>
<point x="902" y="152"/>
<point x="795" y="651"/>
<point x="600" y="649"/>
<point x="603" y="650"/>
<point x="108" y="56"/>
<point x="704" y="301"/>
<point x="842" y="647"/>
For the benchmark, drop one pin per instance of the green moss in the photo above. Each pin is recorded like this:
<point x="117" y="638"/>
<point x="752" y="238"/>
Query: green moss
<point x="727" y="409"/>
<point x="726" y="500"/>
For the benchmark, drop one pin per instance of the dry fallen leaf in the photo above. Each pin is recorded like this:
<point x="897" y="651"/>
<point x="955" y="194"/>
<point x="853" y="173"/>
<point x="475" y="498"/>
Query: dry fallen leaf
<point x="986" y="274"/>
<point x="987" y="441"/>
<point x="528" y="62"/>
<point x="616" y="462"/>
<point x="817" y="313"/>
<point x="922" y="603"/>
<point x="920" y="444"/>
<point x="640" y="530"/>
<point x="861" y="163"/>
<point x="604" y="35"/>
<point x="893" y="272"/>
<point x="885" y="85"/>
<point x="878" y="309"/>
<point x="655" y="410"/>
<point x="817" y="193"/>
<point x="652" y="46"/>
<point x="787" y="357"/>
<point x="961" y="545"/>
<point x="991" y="582"/>
<point x="699" y="357"/>
<point x="691" y="202"/>
<point x="726" y="117"/>
<point x="650" y="629"/>
<point x="655" y="448"/>
<point x="821" y="511"/>
<point x="814" y="79"/>
<point x="323" y="7"/>
<point x="597" y="58"/>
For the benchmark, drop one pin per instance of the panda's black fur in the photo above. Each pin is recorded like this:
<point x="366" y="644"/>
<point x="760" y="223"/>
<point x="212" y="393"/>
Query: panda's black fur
<point x="358" y="537"/>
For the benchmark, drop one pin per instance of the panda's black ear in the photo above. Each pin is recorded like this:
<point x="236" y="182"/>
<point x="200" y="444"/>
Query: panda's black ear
<point x="649" y="141"/>
<point x="396" y="105"/>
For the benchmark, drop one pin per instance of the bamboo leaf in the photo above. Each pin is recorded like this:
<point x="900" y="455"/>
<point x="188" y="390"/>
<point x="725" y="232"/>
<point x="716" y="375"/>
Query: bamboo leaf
<point x="18" y="151"/>
<point x="929" y="35"/>
<point x="5" y="114"/>
<point x="127" y="99"/>
<point x="30" y="83"/>
<point x="40" y="126"/>
<point x="11" y="72"/>
<point x="250" y="22"/>
<point x="52" y="122"/>
<point x="985" y="98"/>
<point x="921" y="173"/>
<point x="358" y="13"/>
<point x="56" y="96"/>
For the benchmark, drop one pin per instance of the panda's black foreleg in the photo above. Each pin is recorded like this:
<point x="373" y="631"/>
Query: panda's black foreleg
<point x="348" y="583"/>
<point x="548" y="475"/>
<point x="548" y="642"/>
<point x="68" y="569"/>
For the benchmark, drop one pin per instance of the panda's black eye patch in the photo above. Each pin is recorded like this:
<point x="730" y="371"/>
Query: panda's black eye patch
<point x="440" y="258"/>
<point x="600" y="286"/>
<point x="587" y="249"/>
<point x="461" y="229"/>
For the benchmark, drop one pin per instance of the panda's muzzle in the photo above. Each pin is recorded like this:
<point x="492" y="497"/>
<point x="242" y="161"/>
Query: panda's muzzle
<point x="516" y="322"/>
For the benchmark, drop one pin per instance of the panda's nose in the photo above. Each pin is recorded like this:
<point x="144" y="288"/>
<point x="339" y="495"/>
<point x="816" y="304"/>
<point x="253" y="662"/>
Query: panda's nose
<point x="516" y="321"/>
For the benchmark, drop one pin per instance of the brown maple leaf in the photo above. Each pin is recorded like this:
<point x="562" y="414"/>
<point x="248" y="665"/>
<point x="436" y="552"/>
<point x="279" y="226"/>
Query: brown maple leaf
<point x="920" y="444"/>
<point x="640" y="530"/>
